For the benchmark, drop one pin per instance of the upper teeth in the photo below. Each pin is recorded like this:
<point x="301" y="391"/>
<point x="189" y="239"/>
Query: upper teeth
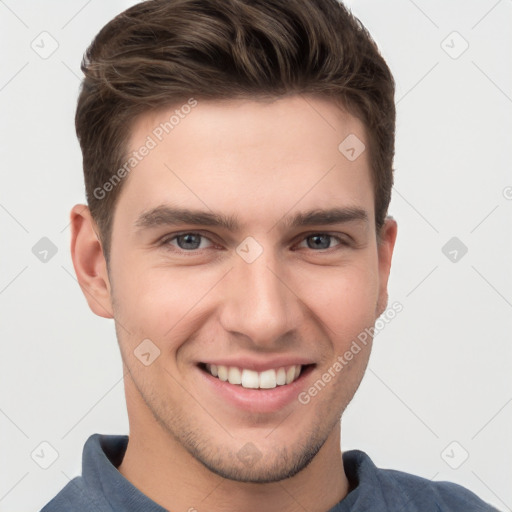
<point x="251" y="379"/>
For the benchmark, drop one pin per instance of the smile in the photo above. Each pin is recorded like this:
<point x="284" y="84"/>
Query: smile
<point x="252" y="379"/>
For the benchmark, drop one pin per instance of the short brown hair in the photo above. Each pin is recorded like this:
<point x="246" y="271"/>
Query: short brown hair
<point x="162" y="52"/>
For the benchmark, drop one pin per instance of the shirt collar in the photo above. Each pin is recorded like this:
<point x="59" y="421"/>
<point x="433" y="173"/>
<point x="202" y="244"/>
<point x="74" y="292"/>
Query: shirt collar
<point x="101" y="457"/>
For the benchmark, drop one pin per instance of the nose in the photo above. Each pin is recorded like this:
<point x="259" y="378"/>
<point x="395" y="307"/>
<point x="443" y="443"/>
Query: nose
<point x="260" y="304"/>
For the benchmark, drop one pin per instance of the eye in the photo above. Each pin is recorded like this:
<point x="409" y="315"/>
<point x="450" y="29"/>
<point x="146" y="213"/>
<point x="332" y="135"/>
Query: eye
<point x="322" y="241"/>
<point x="192" y="241"/>
<point x="188" y="241"/>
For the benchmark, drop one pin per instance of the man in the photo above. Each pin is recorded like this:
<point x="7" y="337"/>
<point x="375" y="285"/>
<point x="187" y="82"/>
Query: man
<point x="238" y="167"/>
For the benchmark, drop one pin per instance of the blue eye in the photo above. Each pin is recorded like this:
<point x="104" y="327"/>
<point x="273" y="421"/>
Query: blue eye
<point x="322" y="241"/>
<point x="187" y="241"/>
<point x="192" y="241"/>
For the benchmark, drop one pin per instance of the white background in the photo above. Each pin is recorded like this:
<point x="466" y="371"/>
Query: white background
<point x="440" y="371"/>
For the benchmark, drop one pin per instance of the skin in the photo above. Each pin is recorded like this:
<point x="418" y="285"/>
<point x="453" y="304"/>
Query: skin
<point x="207" y="303"/>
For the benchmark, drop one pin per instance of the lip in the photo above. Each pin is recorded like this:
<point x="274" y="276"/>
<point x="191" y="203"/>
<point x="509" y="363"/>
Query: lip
<point x="255" y="400"/>
<point x="260" y="365"/>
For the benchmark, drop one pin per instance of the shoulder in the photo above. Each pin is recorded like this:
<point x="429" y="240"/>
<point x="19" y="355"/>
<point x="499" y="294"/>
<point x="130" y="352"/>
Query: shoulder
<point x="414" y="493"/>
<point x="76" y="496"/>
<point x="87" y="492"/>
<point x="441" y="496"/>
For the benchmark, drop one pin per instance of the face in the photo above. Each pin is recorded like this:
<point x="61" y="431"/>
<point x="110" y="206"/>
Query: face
<point x="244" y="253"/>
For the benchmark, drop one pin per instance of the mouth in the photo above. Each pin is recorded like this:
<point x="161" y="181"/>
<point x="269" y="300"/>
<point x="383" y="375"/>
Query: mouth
<point x="261" y="387"/>
<point x="271" y="378"/>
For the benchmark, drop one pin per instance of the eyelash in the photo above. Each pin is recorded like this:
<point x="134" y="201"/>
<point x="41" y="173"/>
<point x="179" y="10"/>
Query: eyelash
<point x="165" y="242"/>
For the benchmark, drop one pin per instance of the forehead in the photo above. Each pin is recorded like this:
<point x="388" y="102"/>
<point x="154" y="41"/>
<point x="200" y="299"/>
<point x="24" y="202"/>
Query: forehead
<point x="249" y="156"/>
<point x="298" y="121"/>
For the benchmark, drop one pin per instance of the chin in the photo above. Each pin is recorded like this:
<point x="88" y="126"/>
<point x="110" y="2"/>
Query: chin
<point x="250" y="465"/>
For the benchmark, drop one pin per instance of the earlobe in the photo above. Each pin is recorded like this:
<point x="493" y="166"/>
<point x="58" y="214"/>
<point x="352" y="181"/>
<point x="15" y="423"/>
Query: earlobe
<point x="385" y="254"/>
<point x="89" y="262"/>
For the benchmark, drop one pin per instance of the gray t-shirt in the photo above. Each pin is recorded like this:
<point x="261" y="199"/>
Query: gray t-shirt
<point x="101" y="488"/>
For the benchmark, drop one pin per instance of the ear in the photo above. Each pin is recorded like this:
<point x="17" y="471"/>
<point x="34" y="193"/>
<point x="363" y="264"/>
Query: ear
<point x="89" y="261"/>
<point x="385" y="248"/>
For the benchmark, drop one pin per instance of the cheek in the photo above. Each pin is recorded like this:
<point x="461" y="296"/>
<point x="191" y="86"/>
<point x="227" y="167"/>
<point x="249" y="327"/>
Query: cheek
<point x="344" y="298"/>
<point x="159" y="302"/>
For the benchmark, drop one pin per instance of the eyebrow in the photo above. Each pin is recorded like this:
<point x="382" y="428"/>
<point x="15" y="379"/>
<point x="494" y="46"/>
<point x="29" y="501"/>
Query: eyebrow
<point x="166" y="215"/>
